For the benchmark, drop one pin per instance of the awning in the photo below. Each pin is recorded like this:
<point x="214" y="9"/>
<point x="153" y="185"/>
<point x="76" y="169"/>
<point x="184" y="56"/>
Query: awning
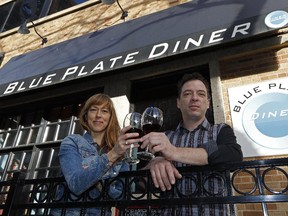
<point x="184" y="28"/>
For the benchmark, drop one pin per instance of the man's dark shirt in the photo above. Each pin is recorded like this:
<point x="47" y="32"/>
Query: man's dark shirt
<point x="221" y="145"/>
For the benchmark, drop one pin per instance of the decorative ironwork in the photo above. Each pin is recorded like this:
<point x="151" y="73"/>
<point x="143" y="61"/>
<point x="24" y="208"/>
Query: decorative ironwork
<point x="139" y="194"/>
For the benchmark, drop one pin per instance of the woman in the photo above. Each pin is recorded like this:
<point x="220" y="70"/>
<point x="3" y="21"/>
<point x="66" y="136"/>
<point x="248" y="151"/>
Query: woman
<point x="97" y="155"/>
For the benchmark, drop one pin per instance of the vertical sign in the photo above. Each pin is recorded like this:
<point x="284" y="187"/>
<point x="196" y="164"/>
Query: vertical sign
<point x="260" y="117"/>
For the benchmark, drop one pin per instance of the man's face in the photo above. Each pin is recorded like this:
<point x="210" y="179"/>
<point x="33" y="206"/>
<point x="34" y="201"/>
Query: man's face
<point x="98" y="118"/>
<point x="193" y="101"/>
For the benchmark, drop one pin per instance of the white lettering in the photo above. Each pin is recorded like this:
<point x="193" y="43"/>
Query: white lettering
<point x="48" y="79"/>
<point x="196" y="43"/>
<point x="21" y="87"/>
<point x="99" y="66"/>
<point x="278" y="18"/>
<point x="268" y="115"/>
<point x="114" y="61"/>
<point x="130" y="58"/>
<point x="255" y="116"/>
<point x="11" y="87"/>
<point x="157" y="50"/>
<point x="32" y="85"/>
<point x="214" y="35"/>
<point x="243" y="31"/>
<point x="69" y="71"/>
<point x="176" y="46"/>
<point x="82" y="73"/>
<point x="164" y="49"/>
<point x="284" y="112"/>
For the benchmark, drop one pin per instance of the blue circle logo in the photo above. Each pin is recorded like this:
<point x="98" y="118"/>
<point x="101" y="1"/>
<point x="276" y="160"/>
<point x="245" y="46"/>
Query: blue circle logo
<point x="265" y="120"/>
<point x="276" y="19"/>
<point x="271" y="120"/>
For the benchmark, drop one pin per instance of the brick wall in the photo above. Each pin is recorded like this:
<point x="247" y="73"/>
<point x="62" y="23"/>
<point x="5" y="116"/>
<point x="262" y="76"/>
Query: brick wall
<point x="251" y="68"/>
<point x="275" y="180"/>
<point x="77" y="21"/>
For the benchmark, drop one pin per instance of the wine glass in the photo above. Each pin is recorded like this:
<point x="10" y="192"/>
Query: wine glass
<point x="152" y="120"/>
<point x="133" y="119"/>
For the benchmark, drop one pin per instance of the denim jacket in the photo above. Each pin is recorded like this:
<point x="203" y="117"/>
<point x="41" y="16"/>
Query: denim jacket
<point x="83" y="166"/>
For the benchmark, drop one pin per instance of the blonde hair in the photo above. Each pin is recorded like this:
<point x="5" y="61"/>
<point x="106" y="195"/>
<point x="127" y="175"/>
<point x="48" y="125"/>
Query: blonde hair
<point x="113" y="129"/>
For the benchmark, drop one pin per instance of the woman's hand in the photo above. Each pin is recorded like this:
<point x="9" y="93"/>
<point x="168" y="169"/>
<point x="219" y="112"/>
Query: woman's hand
<point x="123" y="144"/>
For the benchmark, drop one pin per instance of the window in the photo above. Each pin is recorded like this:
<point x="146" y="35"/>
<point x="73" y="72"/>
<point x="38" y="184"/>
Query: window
<point x="14" y="13"/>
<point x="47" y="163"/>
<point x="32" y="140"/>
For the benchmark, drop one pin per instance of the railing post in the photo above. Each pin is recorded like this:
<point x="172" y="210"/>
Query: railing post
<point x="261" y="191"/>
<point x="15" y="189"/>
<point x="229" y="192"/>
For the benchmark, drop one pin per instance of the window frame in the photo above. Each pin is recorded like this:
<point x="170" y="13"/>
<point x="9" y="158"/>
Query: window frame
<point x="45" y="10"/>
<point x="37" y="148"/>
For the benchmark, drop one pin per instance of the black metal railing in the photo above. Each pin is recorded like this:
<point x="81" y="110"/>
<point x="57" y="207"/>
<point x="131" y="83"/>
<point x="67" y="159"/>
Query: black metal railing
<point x="238" y="183"/>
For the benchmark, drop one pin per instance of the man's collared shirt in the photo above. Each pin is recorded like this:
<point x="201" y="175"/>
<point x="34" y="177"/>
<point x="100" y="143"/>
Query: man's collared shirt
<point x="218" y="140"/>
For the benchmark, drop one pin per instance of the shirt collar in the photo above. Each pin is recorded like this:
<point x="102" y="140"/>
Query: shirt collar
<point x="204" y="125"/>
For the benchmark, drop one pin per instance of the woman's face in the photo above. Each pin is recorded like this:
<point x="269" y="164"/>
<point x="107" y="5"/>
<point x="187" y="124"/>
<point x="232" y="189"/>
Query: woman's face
<point x="98" y="117"/>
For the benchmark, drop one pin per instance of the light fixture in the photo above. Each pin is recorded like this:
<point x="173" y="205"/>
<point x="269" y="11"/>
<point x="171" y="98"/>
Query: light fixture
<point x="24" y="30"/>
<point x="124" y="13"/>
<point x="26" y="14"/>
<point x="109" y="2"/>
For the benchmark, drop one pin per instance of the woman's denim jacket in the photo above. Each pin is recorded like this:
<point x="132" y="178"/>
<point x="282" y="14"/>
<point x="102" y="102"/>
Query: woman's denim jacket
<point x="83" y="166"/>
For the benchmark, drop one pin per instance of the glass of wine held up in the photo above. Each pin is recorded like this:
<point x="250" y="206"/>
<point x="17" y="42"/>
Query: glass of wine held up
<point x="134" y="120"/>
<point x="152" y="121"/>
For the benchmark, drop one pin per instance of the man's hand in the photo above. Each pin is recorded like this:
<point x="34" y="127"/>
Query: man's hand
<point x="158" y="142"/>
<point x="164" y="173"/>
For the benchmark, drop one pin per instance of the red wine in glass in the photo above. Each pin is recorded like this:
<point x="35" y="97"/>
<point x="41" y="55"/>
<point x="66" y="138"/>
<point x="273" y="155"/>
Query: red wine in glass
<point x="134" y="120"/>
<point x="152" y="120"/>
<point x="135" y="130"/>
<point x="147" y="128"/>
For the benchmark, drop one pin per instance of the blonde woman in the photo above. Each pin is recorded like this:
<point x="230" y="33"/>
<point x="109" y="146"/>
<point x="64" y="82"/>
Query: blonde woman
<point x="97" y="155"/>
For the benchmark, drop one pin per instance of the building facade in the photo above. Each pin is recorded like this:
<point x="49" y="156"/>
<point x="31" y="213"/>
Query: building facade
<point x="135" y="52"/>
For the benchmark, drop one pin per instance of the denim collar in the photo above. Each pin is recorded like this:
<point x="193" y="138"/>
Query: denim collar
<point x="89" y="138"/>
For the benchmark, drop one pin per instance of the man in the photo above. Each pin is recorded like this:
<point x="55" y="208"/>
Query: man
<point x="194" y="142"/>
